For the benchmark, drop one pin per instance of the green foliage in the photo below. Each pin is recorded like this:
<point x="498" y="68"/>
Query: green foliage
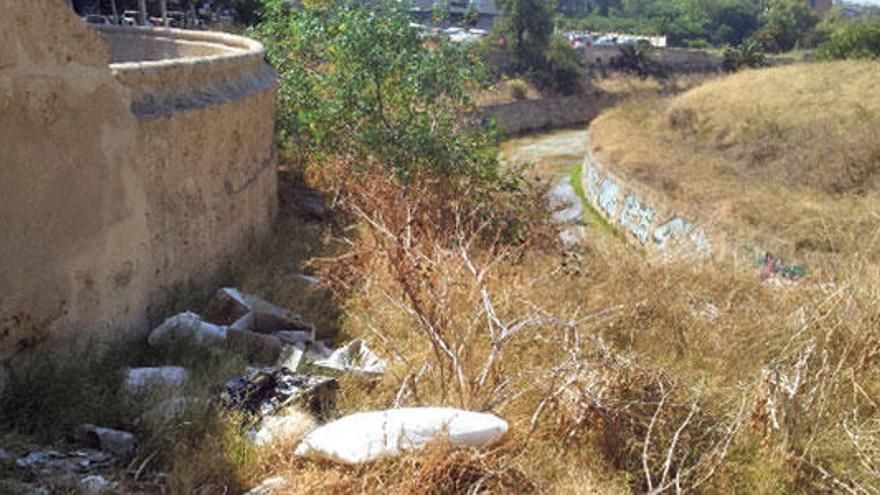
<point x="859" y="38"/>
<point x="563" y="70"/>
<point x="639" y="59"/>
<point x="748" y="54"/>
<point x="528" y="28"/>
<point x="358" y="85"/>
<point x="518" y="88"/>
<point x="786" y="24"/>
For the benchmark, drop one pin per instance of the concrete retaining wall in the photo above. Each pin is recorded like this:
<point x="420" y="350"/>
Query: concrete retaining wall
<point x="546" y="113"/>
<point x="641" y="214"/>
<point x="120" y="180"/>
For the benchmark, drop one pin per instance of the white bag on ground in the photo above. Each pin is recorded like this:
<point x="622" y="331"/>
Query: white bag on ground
<point x="368" y="436"/>
<point x="355" y="357"/>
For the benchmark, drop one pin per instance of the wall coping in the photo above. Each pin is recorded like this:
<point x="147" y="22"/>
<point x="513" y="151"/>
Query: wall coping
<point x="163" y="87"/>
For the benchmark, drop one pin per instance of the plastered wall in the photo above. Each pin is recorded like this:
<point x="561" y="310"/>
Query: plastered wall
<point x="119" y="181"/>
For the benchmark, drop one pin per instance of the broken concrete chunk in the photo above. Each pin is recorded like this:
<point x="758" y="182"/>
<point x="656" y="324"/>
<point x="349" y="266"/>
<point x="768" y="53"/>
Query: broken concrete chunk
<point x="53" y="462"/>
<point x="257" y="347"/>
<point x="364" y="437"/>
<point x="288" y="428"/>
<point x="227" y="306"/>
<point x="120" y="443"/>
<point x="244" y="311"/>
<point x="290" y="358"/>
<point x="190" y="327"/>
<point x="140" y="380"/>
<point x="354" y="357"/>
<point x="265" y="392"/>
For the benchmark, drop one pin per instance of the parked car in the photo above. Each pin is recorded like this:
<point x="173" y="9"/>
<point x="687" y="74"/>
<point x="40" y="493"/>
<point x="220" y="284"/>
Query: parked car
<point x="130" y="18"/>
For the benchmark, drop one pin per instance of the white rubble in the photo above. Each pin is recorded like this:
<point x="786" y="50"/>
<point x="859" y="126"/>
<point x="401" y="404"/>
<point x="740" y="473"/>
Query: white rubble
<point x="290" y="357"/>
<point x="170" y="408"/>
<point x="140" y="380"/>
<point x="367" y="436"/>
<point x="269" y="486"/>
<point x="289" y="427"/>
<point x="355" y="357"/>
<point x="188" y="326"/>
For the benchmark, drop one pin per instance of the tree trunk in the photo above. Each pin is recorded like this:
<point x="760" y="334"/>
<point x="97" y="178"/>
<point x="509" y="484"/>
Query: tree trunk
<point x="142" y="15"/>
<point x="115" y="12"/>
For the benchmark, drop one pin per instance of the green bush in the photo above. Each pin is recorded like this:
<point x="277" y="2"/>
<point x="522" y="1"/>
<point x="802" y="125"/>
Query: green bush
<point x="748" y="54"/>
<point x="518" y="88"/>
<point x="853" y="39"/>
<point x="563" y="67"/>
<point x="698" y="44"/>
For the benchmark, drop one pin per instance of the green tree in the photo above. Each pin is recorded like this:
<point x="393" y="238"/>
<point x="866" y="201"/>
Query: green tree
<point x="859" y="38"/>
<point x="528" y="27"/>
<point x="359" y="86"/>
<point x="786" y="24"/>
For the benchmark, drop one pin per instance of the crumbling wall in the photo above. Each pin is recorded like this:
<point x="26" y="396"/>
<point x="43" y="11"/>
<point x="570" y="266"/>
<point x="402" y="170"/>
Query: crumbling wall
<point x="118" y="181"/>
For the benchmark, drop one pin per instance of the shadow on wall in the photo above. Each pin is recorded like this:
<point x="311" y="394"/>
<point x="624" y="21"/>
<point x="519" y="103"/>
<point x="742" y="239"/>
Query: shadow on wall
<point x="118" y="181"/>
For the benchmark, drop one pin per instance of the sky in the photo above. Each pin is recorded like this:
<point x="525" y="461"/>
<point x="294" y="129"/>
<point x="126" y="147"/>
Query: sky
<point x="875" y="3"/>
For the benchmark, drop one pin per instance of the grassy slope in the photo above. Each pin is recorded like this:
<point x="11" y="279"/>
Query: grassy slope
<point x="791" y="154"/>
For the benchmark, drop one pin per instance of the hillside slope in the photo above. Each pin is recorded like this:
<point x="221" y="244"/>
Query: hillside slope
<point x="790" y="153"/>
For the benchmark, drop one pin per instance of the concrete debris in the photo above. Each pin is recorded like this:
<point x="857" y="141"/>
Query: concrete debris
<point x="265" y="392"/>
<point x="294" y="337"/>
<point x="96" y="484"/>
<point x="269" y="486"/>
<point x="288" y="428"/>
<point x="171" y="408"/>
<point x="140" y="380"/>
<point x="257" y="347"/>
<point x="354" y="357"/>
<point x="120" y="443"/>
<point x="368" y="436"/>
<point x="290" y="358"/>
<point x="244" y="311"/>
<point x="55" y="463"/>
<point x="189" y="327"/>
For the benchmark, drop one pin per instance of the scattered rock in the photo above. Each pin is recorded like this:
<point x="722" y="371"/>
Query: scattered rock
<point x="269" y="486"/>
<point x="265" y="392"/>
<point x="257" y="347"/>
<point x="227" y="307"/>
<point x="120" y="443"/>
<point x="140" y="380"/>
<point x="55" y="463"/>
<point x="364" y="437"/>
<point x="96" y="484"/>
<point x="5" y="455"/>
<point x="288" y="428"/>
<point x="355" y="357"/>
<point x="189" y="327"/>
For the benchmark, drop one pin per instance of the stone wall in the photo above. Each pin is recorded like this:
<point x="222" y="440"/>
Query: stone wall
<point x="546" y="113"/>
<point x="120" y="180"/>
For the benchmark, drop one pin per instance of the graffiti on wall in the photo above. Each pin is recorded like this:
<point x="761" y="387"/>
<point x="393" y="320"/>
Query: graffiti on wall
<point x="592" y="183"/>
<point x="772" y="266"/>
<point x="608" y="197"/>
<point x="636" y="217"/>
<point x="674" y="229"/>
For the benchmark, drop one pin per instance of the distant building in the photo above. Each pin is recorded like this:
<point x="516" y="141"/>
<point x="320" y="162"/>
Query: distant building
<point x="485" y="11"/>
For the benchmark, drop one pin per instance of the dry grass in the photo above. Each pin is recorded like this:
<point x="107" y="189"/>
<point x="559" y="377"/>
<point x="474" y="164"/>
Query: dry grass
<point x="785" y="156"/>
